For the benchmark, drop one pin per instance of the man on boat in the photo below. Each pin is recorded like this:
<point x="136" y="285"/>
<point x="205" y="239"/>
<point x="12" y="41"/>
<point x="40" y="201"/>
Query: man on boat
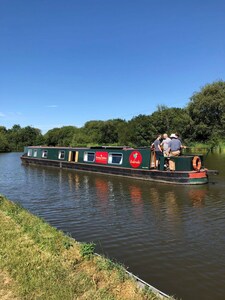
<point x="174" y="149"/>
<point x="165" y="144"/>
<point x="158" y="149"/>
<point x="174" y="145"/>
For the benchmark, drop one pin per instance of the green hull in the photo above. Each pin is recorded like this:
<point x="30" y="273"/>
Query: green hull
<point x="121" y="161"/>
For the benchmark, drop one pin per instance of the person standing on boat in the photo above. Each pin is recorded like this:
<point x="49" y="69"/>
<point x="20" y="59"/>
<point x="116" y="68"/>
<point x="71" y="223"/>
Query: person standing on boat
<point x="174" y="145"/>
<point x="165" y="144"/>
<point x="158" y="149"/>
<point x="181" y="147"/>
<point x="174" y="149"/>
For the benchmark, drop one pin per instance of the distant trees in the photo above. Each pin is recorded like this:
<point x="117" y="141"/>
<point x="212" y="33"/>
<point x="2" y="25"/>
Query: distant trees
<point x="98" y="132"/>
<point x="19" y="137"/>
<point x="4" y="144"/>
<point x="203" y="120"/>
<point x="207" y="112"/>
<point x="16" y="138"/>
<point x="60" y="136"/>
<point x="141" y="131"/>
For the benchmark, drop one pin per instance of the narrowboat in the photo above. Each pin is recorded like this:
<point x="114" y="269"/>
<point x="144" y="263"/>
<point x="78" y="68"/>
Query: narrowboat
<point x="137" y="163"/>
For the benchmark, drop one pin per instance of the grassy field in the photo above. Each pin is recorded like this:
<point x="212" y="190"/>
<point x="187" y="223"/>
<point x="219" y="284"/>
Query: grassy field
<point x="39" y="262"/>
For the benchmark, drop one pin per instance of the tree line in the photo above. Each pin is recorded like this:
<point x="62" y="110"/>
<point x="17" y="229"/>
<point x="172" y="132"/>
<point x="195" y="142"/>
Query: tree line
<point x="202" y="120"/>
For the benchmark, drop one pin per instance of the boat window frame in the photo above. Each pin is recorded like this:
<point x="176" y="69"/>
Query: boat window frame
<point x="43" y="154"/>
<point x="29" y="152"/>
<point x="60" y="153"/>
<point x="117" y="153"/>
<point x="86" y="154"/>
<point x="35" y="153"/>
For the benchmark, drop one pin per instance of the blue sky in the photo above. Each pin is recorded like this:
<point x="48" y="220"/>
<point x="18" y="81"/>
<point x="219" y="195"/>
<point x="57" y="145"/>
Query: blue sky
<point x="68" y="62"/>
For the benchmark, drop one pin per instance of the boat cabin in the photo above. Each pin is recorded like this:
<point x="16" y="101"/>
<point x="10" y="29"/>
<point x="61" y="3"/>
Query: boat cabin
<point x="125" y="157"/>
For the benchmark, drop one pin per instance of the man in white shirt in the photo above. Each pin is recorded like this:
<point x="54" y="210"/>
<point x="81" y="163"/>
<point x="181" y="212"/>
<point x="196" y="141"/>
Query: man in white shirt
<point x="165" y="144"/>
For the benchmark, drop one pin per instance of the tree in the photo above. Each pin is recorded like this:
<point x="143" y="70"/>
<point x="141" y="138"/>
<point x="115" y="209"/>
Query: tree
<point x="30" y="136"/>
<point x="3" y="130"/>
<point x="141" y="131"/>
<point x="14" y="137"/>
<point x="92" y="130"/>
<point x="109" y="133"/>
<point x="80" y="139"/>
<point x="207" y="111"/>
<point x="19" y="137"/>
<point x="4" y="144"/>
<point x="172" y="120"/>
<point x="60" y="136"/>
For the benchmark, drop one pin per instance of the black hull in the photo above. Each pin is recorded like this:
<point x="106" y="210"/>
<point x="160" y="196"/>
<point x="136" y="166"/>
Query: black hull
<point x="174" y="177"/>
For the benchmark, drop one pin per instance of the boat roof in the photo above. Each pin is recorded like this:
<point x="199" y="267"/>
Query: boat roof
<point x="92" y="147"/>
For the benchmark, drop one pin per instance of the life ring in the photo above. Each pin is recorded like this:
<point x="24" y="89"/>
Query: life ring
<point x="197" y="163"/>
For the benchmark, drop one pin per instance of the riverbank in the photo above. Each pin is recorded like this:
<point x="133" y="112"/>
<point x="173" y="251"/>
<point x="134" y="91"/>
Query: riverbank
<point x="38" y="261"/>
<point x="195" y="146"/>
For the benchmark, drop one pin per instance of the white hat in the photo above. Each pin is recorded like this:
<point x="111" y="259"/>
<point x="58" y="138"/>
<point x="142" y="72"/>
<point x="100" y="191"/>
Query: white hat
<point x="173" y="135"/>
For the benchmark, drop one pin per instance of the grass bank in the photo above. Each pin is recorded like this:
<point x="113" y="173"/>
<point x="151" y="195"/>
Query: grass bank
<point x="39" y="262"/>
<point x="208" y="145"/>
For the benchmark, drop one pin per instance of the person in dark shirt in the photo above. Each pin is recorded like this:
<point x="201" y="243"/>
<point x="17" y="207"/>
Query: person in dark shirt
<point x="174" y="145"/>
<point x="158" y="149"/>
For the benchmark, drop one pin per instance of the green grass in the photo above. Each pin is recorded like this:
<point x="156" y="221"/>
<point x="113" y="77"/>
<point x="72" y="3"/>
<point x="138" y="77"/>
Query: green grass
<point x="207" y="145"/>
<point x="87" y="250"/>
<point x="44" y="263"/>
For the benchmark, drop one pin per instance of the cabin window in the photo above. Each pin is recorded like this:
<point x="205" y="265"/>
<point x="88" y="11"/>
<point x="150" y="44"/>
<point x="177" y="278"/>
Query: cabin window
<point x="44" y="154"/>
<point x="115" y="158"/>
<point x="29" y="152"/>
<point x="89" y="156"/>
<point x="61" y="154"/>
<point x="35" y="153"/>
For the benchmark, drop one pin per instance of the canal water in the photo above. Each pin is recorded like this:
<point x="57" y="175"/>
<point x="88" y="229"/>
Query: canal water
<point x="171" y="236"/>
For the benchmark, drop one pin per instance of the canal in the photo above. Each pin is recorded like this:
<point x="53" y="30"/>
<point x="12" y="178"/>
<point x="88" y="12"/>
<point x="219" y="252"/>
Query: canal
<point x="171" y="236"/>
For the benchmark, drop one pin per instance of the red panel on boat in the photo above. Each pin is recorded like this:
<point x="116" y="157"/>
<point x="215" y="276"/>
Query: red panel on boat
<point x="101" y="157"/>
<point x="135" y="159"/>
<point x="197" y="175"/>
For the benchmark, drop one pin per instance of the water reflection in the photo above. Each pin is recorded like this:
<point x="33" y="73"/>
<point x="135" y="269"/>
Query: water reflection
<point x="172" y="208"/>
<point x="102" y="189"/>
<point x="154" y="195"/>
<point x="197" y="196"/>
<point x="73" y="181"/>
<point x="171" y="236"/>
<point x="102" y="193"/>
<point x="137" y="202"/>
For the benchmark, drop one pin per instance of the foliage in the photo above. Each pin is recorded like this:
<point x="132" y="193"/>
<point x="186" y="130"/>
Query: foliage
<point x="141" y="131"/>
<point x="102" y="132"/>
<point x="60" y="136"/>
<point x="203" y="120"/>
<point x="16" y="138"/>
<point x="207" y="111"/>
<point x="172" y="120"/>
<point x="4" y="144"/>
<point x="87" y="250"/>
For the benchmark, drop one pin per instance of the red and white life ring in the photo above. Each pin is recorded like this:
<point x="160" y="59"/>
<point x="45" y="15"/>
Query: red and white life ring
<point x="197" y="163"/>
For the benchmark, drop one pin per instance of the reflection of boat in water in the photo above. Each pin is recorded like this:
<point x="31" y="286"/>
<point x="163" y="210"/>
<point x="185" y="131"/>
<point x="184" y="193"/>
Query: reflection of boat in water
<point x="122" y="161"/>
<point x="197" y="196"/>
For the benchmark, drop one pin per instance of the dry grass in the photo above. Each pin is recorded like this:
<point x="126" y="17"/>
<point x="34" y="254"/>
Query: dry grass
<point x="7" y="287"/>
<point x="39" y="262"/>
